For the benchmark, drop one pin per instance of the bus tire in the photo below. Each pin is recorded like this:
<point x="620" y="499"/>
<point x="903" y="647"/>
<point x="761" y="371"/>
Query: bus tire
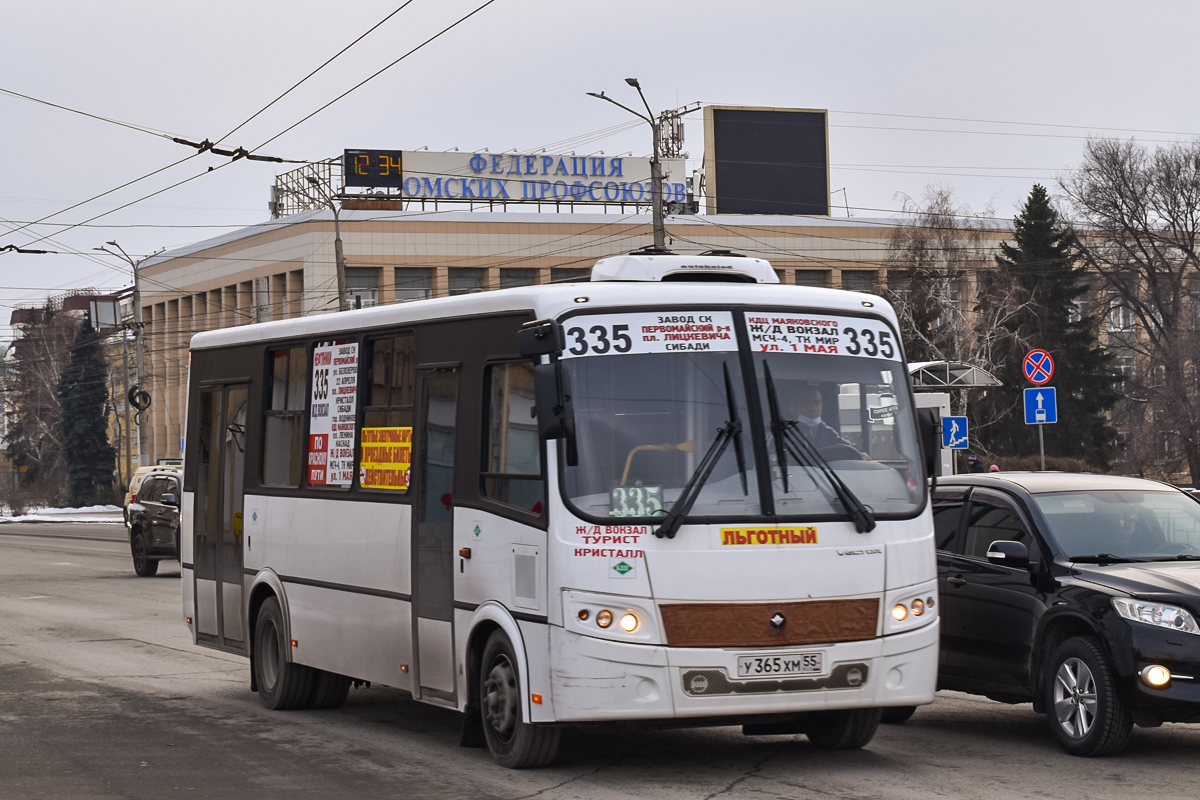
<point x="329" y="689"/>
<point x="513" y="742"/>
<point x="897" y="714"/>
<point x="143" y="565"/>
<point x="281" y="684"/>
<point x="843" y="730"/>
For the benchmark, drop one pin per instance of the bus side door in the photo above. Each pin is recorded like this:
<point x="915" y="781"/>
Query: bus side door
<point x="433" y="533"/>
<point x="217" y="546"/>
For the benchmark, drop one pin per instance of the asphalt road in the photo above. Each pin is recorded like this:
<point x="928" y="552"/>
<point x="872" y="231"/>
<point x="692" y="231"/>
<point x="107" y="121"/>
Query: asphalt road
<point x="102" y="695"/>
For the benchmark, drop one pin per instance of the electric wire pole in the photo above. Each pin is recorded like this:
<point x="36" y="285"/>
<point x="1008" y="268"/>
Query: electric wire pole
<point x="137" y="345"/>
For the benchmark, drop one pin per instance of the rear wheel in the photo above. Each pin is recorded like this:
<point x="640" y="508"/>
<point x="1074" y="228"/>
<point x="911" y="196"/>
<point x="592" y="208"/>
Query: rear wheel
<point x="894" y="716"/>
<point x="329" y="689"/>
<point x="1083" y="709"/>
<point x="514" y="743"/>
<point x="143" y="565"/>
<point x="843" y="730"/>
<point x="281" y="684"/>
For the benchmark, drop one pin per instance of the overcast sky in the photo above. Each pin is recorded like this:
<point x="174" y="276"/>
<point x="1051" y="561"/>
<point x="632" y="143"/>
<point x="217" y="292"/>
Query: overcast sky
<point x="985" y="98"/>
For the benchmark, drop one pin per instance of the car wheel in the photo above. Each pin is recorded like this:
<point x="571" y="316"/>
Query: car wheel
<point x="1086" y="716"/>
<point x="843" y="730"/>
<point x="282" y="684"/>
<point x="143" y="565"/>
<point x="894" y="716"/>
<point x="513" y="742"/>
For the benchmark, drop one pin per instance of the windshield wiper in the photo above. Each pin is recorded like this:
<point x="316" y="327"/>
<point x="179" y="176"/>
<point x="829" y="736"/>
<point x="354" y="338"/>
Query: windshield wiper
<point x="1104" y="558"/>
<point x="731" y="431"/>
<point x="789" y="439"/>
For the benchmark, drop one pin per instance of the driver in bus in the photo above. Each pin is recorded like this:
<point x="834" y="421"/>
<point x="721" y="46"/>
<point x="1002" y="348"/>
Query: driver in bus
<point x="806" y="409"/>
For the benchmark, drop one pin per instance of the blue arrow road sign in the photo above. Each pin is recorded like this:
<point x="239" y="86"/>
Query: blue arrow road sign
<point x="1041" y="406"/>
<point x="954" y="432"/>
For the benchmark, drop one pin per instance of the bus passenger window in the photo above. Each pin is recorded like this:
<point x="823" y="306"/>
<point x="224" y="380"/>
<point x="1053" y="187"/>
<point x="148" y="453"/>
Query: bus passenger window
<point x="385" y="445"/>
<point x="283" y="448"/>
<point x="512" y="470"/>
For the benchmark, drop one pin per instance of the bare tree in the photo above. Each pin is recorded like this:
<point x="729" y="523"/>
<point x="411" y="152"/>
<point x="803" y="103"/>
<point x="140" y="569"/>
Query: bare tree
<point x="34" y="439"/>
<point x="1138" y="219"/>
<point x="952" y="305"/>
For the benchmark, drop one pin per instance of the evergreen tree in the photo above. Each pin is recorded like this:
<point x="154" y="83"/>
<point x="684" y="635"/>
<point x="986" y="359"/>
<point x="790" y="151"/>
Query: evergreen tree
<point x="1042" y="262"/>
<point x="82" y="391"/>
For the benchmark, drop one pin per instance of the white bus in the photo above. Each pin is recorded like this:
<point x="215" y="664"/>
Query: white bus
<point x="678" y="493"/>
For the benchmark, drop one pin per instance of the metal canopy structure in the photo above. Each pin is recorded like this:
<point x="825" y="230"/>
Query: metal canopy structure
<point x="938" y="376"/>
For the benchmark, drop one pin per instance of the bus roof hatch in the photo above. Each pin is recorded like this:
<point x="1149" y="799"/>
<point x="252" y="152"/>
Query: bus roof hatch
<point x="728" y="267"/>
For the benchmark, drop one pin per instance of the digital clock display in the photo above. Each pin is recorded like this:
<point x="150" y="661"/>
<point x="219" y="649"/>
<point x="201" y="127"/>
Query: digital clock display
<point x="372" y="168"/>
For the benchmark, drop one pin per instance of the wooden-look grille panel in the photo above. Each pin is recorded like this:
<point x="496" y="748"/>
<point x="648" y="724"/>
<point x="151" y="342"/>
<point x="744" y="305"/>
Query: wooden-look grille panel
<point x="749" y="625"/>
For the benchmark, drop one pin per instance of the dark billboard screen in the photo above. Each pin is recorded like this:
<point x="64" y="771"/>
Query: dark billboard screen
<point x="766" y="161"/>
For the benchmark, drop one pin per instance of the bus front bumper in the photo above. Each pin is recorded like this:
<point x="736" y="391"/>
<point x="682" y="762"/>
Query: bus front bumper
<point x="597" y="680"/>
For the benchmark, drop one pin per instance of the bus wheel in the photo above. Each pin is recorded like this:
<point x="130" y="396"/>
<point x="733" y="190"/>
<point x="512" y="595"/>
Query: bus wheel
<point x="329" y="689"/>
<point x="514" y="743"/>
<point x="843" y="730"/>
<point x="143" y="565"/>
<point x="281" y="683"/>
<point x="896" y="715"/>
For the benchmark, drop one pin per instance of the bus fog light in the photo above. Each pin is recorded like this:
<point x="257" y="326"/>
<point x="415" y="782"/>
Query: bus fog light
<point x="583" y="615"/>
<point x="1156" y="676"/>
<point x="918" y="607"/>
<point x="604" y="618"/>
<point x="629" y="623"/>
<point x="899" y="612"/>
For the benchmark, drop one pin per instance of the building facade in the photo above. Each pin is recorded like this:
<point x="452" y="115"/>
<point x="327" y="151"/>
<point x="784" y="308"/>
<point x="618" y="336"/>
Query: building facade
<point x="286" y="268"/>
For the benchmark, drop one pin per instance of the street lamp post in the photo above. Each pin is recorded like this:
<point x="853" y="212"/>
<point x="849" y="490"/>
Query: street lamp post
<point x="137" y="345"/>
<point x="339" y="256"/>
<point x="656" y="177"/>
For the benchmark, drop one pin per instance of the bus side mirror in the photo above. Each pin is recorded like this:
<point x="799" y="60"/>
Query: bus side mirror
<point x="540" y="338"/>
<point x="929" y="427"/>
<point x="552" y="404"/>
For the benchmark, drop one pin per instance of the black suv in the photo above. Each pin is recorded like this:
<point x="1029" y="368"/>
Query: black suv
<point x="154" y="522"/>
<point x="1080" y="593"/>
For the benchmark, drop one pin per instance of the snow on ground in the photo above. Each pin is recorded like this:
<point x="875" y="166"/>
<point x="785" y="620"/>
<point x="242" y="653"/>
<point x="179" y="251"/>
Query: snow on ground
<point x="85" y="514"/>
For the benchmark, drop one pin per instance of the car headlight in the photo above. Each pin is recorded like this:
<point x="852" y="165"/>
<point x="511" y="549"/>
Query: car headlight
<point x="1158" y="614"/>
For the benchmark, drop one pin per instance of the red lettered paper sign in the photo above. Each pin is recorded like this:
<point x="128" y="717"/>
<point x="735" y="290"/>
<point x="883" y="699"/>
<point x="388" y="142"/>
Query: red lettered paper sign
<point x="332" y="416"/>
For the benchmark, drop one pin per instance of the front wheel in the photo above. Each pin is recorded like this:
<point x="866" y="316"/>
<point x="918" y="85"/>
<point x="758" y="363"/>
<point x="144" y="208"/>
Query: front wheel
<point x="143" y="565"/>
<point x="514" y="743"/>
<point x="897" y="714"/>
<point x="282" y="684"/>
<point x="843" y="730"/>
<point x="1086" y="716"/>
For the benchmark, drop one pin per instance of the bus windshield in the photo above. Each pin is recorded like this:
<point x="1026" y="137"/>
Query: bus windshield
<point x="649" y="409"/>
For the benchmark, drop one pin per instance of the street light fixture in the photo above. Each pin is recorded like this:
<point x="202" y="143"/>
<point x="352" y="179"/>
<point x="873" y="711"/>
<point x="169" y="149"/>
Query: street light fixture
<point x="660" y="234"/>
<point x="339" y="256"/>
<point x="137" y="346"/>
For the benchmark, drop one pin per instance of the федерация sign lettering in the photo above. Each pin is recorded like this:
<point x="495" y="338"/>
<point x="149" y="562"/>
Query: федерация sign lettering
<point x="517" y="177"/>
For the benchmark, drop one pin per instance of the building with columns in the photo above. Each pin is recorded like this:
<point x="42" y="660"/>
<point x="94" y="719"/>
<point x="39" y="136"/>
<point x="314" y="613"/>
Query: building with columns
<point x="286" y="268"/>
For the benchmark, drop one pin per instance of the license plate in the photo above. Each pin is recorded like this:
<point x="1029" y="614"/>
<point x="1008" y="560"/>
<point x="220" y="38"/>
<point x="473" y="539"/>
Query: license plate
<point x="781" y="666"/>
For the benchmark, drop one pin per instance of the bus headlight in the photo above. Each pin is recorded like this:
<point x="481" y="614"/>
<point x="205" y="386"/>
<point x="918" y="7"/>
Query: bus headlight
<point x="604" y="618"/>
<point x="629" y="623"/>
<point x="899" y="612"/>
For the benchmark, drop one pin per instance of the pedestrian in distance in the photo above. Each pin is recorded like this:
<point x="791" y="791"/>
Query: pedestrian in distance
<point x="974" y="464"/>
<point x="993" y="468"/>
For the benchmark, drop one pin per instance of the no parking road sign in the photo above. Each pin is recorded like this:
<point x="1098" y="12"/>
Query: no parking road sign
<point x="1039" y="367"/>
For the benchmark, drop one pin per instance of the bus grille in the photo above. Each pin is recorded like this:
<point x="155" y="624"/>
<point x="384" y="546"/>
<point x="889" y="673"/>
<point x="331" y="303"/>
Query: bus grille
<point x="749" y="624"/>
<point x="714" y="682"/>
